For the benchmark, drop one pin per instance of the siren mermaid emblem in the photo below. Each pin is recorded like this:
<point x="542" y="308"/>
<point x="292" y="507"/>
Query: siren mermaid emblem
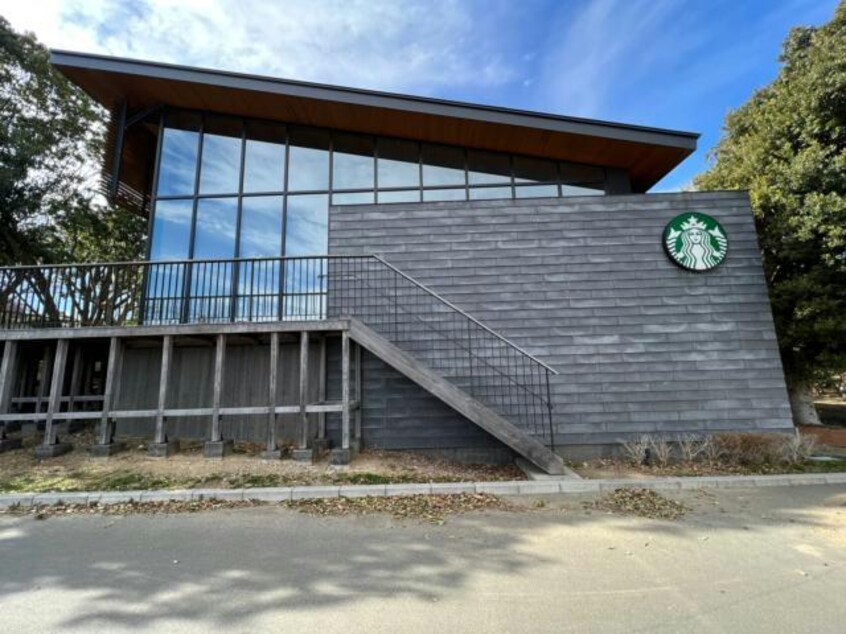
<point x="695" y="242"/>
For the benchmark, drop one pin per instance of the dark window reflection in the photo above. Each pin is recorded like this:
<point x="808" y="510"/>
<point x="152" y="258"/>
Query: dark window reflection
<point x="488" y="168"/>
<point x="531" y="169"/>
<point x="442" y="165"/>
<point x="308" y="167"/>
<point x="398" y="163"/>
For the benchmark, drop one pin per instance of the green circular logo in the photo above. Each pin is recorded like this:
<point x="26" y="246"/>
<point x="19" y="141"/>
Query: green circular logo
<point x="695" y="242"/>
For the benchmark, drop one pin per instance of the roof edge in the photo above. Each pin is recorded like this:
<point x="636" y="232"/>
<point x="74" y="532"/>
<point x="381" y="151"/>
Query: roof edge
<point x="394" y="101"/>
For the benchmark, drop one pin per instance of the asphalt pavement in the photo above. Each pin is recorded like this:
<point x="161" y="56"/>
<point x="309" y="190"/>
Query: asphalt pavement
<point x="758" y="560"/>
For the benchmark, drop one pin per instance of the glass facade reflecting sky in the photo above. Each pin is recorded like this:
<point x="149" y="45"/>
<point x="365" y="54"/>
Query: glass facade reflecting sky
<point x="227" y="188"/>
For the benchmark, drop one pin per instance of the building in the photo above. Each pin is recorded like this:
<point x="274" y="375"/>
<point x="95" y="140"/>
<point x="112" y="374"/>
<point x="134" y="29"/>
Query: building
<point x="337" y="267"/>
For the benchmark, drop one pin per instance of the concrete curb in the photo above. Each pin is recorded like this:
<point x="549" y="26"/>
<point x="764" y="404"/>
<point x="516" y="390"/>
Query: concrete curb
<point x="519" y="487"/>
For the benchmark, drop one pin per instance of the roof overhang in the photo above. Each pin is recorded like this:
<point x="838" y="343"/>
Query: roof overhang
<point x="647" y="154"/>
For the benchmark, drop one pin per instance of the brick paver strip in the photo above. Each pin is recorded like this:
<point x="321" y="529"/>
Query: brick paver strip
<point x="519" y="487"/>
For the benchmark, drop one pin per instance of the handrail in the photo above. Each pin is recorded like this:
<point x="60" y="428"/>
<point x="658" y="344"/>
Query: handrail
<point x="464" y="313"/>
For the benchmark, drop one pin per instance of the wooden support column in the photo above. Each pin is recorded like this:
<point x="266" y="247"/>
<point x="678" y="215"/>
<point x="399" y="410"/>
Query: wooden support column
<point x="51" y="446"/>
<point x="357" y="397"/>
<point x="343" y="454"/>
<point x="271" y="451"/>
<point x="164" y="377"/>
<point x="216" y="446"/>
<point x="106" y="445"/>
<point x="305" y="450"/>
<point x="321" y="396"/>
<point x="303" y="439"/>
<point x="76" y="376"/>
<point x="8" y="377"/>
<point x="44" y="383"/>
<point x="219" y="361"/>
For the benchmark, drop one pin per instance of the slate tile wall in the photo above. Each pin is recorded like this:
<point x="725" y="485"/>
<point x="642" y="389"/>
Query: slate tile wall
<point x="583" y="283"/>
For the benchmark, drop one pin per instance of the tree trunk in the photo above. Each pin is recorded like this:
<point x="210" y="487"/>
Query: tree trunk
<point x="802" y="403"/>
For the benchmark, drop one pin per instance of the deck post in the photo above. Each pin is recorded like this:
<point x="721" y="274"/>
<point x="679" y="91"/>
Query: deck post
<point x="322" y="442"/>
<point x="343" y="454"/>
<point x="357" y="399"/>
<point x="52" y="447"/>
<point x="43" y="384"/>
<point x="161" y="447"/>
<point x="304" y="452"/>
<point x="106" y="445"/>
<point x="76" y="377"/>
<point x="216" y="446"/>
<point x="272" y="451"/>
<point x="8" y="376"/>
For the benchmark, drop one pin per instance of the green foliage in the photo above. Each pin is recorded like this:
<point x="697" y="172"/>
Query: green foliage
<point x="51" y="145"/>
<point x="787" y="146"/>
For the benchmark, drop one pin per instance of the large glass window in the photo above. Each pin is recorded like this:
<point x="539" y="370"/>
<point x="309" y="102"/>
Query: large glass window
<point x="308" y="163"/>
<point x="353" y="163"/>
<point x="264" y="158"/>
<point x="265" y="187"/>
<point x="399" y="163"/>
<point x="178" y="166"/>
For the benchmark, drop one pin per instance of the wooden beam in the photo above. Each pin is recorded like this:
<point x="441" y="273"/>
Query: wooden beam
<point x="272" y="444"/>
<point x="105" y="332"/>
<point x="113" y="370"/>
<point x="8" y="374"/>
<point x="164" y="375"/>
<point x="56" y="384"/>
<point x="219" y="363"/>
<point x="302" y="441"/>
<point x="345" y="390"/>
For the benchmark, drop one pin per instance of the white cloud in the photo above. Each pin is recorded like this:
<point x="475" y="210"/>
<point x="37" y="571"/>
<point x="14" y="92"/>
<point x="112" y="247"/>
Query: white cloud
<point x="418" y="46"/>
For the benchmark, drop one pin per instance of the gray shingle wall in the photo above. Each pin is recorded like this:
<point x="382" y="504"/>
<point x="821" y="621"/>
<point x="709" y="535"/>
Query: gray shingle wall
<point x="583" y="283"/>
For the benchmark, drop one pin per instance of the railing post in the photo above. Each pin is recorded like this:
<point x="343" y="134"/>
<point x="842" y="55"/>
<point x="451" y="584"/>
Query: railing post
<point x="549" y="411"/>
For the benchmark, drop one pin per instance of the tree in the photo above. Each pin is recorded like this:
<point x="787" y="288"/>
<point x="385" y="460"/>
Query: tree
<point x="51" y="145"/>
<point x="787" y="146"/>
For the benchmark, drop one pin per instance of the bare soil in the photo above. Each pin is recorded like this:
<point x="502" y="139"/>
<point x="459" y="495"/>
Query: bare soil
<point x="133" y="469"/>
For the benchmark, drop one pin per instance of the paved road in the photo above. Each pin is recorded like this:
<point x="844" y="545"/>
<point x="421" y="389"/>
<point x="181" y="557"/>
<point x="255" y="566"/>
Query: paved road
<point x="766" y="560"/>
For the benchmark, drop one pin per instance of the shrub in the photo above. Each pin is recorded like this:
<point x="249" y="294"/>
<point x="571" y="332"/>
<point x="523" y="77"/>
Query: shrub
<point x="748" y="450"/>
<point x="662" y="451"/>
<point x="796" y="449"/>
<point x="692" y="447"/>
<point x="635" y="450"/>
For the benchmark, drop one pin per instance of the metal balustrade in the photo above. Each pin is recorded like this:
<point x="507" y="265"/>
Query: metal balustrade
<point x="414" y="318"/>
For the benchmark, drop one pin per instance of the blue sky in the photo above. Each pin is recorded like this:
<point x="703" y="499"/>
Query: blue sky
<point x="679" y="64"/>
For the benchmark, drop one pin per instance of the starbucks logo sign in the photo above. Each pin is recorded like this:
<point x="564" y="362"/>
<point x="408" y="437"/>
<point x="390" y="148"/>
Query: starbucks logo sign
<point x="695" y="242"/>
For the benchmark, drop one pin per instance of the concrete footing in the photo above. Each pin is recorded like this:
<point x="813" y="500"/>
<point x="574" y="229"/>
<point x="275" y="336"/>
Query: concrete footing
<point x="7" y="444"/>
<point x="218" y="448"/>
<point x="52" y="451"/>
<point x="339" y="456"/>
<point x="275" y="454"/>
<point x="304" y="455"/>
<point x="163" y="449"/>
<point x="104" y="451"/>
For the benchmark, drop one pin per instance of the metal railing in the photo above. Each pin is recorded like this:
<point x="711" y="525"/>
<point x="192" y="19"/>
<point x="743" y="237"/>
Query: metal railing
<point x="437" y="333"/>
